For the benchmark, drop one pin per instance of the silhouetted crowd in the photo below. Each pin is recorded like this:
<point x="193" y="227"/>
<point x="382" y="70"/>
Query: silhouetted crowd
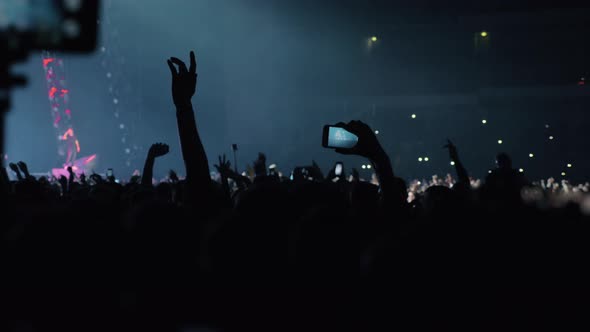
<point x="191" y="250"/>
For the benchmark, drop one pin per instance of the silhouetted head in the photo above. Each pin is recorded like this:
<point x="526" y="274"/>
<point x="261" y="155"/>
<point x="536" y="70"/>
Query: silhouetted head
<point x="503" y="161"/>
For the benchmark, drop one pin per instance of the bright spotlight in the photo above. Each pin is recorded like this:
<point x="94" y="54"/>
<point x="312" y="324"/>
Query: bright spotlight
<point x="374" y="39"/>
<point x="569" y="165"/>
<point x="551" y="138"/>
<point x="413" y="116"/>
<point x="364" y="166"/>
<point x="426" y="159"/>
<point x="452" y="163"/>
<point x="484" y="34"/>
<point x="500" y="141"/>
<point x="531" y="155"/>
<point x="521" y="170"/>
<point x="376" y="132"/>
<point x="420" y="159"/>
<point x="368" y="166"/>
<point x="484" y="121"/>
<point x="562" y="173"/>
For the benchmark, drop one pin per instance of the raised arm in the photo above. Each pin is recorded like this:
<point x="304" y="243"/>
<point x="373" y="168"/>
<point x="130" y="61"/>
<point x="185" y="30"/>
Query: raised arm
<point x="393" y="189"/>
<point x="224" y="169"/>
<point x="24" y="169"/>
<point x="155" y="151"/>
<point x="184" y="84"/>
<point x="15" y="169"/>
<point x="459" y="168"/>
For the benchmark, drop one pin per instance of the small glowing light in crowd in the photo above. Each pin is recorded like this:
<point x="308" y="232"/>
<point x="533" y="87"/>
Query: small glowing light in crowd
<point x="376" y="132"/>
<point x="47" y="61"/>
<point x="484" y="121"/>
<point x="122" y="126"/>
<point x="562" y="173"/>
<point x="500" y="141"/>
<point x="531" y="155"/>
<point x="569" y="165"/>
<point x="484" y="34"/>
<point x="490" y="171"/>
<point x="374" y="39"/>
<point x="547" y="126"/>
<point x="109" y="75"/>
<point x="550" y="137"/>
<point x="364" y="166"/>
<point x="52" y="92"/>
<point x="369" y="166"/>
<point x="521" y="170"/>
<point x="452" y="163"/>
<point x="413" y="116"/>
<point x="419" y="183"/>
<point x="420" y="159"/>
<point x="425" y="158"/>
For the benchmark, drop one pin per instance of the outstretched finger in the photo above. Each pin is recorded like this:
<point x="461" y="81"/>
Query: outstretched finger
<point x="193" y="65"/>
<point x="172" y="68"/>
<point x="180" y="63"/>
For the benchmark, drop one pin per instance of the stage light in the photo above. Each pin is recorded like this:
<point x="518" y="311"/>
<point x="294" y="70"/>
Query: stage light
<point x="500" y="141"/>
<point x="369" y="166"/>
<point x="425" y="158"/>
<point x="374" y="39"/>
<point x="420" y="159"/>
<point x="376" y="132"/>
<point x="413" y="116"/>
<point x="484" y="34"/>
<point x="531" y="155"/>
<point x="562" y="173"/>
<point x="452" y="163"/>
<point x="569" y="165"/>
<point x="484" y="121"/>
<point x="364" y="166"/>
<point x="550" y="137"/>
<point x="521" y="170"/>
<point x="490" y="171"/>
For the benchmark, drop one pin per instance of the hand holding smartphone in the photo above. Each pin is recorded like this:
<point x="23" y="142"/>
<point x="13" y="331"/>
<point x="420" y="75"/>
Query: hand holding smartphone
<point x="336" y="137"/>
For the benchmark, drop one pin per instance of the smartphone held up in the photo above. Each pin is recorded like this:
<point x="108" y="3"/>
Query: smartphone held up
<point x="336" y="137"/>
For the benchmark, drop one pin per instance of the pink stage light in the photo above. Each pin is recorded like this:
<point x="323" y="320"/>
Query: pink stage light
<point x="77" y="146"/>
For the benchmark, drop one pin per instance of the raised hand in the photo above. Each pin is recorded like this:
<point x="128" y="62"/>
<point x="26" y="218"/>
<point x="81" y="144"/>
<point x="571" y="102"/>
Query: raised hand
<point x="23" y="167"/>
<point x="158" y="150"/>
<point x="15" y="169"/>
<point x="453" y="154"/>
<point x="368" y="145"/>
<point x="462" y="174"/>
<point x="224" y="166"/>
<point x="184" y="81"/>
